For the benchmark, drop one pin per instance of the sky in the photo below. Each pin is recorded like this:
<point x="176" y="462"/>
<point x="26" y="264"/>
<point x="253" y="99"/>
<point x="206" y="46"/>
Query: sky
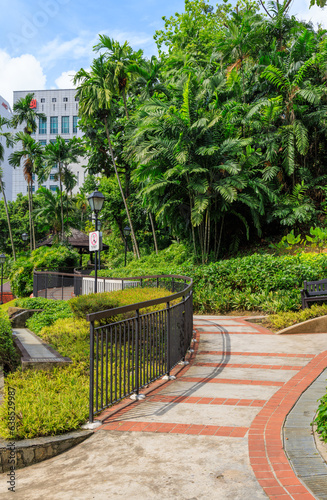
<point x="44" y="42"/>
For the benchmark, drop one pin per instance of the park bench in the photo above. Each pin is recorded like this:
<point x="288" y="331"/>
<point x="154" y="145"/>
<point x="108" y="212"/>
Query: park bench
<point x="313" y="291"/>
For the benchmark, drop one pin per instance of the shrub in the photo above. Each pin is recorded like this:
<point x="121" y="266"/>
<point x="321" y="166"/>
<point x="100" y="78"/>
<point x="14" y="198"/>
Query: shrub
<point x="56" y="258"/>
<point x="52" y="310"/>
<point x="283" y="320"/>
<point x="61" y="403"/>
<point x="8" y="355"/>
<point x="321" y="418"/>
<point x="94" y="302"/>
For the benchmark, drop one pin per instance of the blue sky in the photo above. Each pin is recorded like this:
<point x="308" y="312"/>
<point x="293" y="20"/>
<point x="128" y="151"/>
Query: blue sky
<point x="43" y="42"/>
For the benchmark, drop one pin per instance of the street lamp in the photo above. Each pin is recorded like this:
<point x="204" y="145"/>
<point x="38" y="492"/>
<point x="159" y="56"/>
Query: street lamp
<point x="24" y="237"/>
<point x="127" y="230"/>
<point x="2" y="261"/>
<point x="96" y="200"/>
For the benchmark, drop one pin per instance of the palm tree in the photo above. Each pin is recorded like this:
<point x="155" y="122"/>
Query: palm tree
<point x="9" y="142"/>
<point x="23" y="113"/>
<point x="49" y="210"/>
<point x="96" y="103"/>
<point x="61" y="154"/>
<point x="118" y="58"/>
<point x="31" y="154"/>
<point x="148" y="81"/>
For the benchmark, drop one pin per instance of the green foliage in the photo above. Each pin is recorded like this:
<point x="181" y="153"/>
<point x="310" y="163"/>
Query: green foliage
<point x="321" y="418"/>
<point x="55" y="258"/>
<point x="52" y="311"/>
<point x="318" y="237"/>
<point x="8" y="354"/>
<point x="283" y="320"/>
<point x="61" y="403"/>
<point x="95" y="302"/>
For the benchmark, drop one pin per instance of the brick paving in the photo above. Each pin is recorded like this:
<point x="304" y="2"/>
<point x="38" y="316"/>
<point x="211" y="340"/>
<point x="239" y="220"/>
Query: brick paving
<point x="159" y="411"/>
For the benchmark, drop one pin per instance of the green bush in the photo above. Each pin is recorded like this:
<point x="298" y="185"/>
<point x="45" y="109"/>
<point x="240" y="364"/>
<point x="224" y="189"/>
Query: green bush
<point x="46" y="402"/>
<point x="321" y="418"/>
<point x="8" y="355"/>
<point x="52" y="310"/>
<point x="283" y="320"/>
<point x="56" y="258"/>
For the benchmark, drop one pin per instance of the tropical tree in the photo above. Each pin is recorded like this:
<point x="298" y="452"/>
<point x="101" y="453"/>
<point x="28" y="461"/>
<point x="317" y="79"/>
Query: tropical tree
<point x="31" y="155"/>
<point x="96" y="105"/>
<point x="49" y="210"/>
<point x="9" y="142"/>
<point x="61" y="154"/>
<point x="24" y="113"/>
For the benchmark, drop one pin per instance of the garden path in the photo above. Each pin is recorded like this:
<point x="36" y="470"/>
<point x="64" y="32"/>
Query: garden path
<point x="214" y="433"/>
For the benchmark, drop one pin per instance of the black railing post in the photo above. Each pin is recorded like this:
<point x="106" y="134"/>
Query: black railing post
<point x="62" y="287"/>
<point x="46" y="285"/>
<point x="168" y="339"/>
<point x="91" y="372"/>
<point x="122" y="284"/>
<point x="172" y="285"/>
<point x="137" y="361"/>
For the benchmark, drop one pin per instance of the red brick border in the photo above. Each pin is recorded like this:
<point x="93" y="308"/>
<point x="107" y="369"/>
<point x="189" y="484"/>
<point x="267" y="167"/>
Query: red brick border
<point x="267" y="456"/>
<point x="247" y="365"/>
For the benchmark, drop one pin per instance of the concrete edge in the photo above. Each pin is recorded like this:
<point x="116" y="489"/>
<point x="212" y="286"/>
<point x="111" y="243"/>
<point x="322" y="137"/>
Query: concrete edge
<point x="314" y="325"/>
<point x="40" y="363"/>
<point x="20" y="454"/>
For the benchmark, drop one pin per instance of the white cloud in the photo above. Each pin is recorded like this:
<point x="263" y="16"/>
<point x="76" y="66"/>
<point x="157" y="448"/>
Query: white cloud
<point x="19" y="73"/>
<point x="75" y="49"/>
<point x="65" y="80"/>
<point x="315" y="14"/>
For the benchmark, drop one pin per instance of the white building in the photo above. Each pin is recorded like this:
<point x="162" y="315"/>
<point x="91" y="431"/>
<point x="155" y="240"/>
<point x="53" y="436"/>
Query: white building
<point x="5" y="112"/>
<point x="60" y="108"/>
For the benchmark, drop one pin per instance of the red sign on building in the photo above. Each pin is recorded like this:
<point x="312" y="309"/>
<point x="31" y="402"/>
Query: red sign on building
<point x="33" y="104"/>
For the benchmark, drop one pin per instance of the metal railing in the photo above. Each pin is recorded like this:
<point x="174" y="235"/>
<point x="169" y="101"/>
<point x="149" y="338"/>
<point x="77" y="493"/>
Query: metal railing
<point x="54" y="285"/>
<point x="132" y="346"/>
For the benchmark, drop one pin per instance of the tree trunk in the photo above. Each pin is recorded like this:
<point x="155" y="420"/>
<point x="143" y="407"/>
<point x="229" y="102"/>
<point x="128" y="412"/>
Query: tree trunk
<point x="32" y="222"/>
<point x="8" y="218"/>
<point x="121" y="191"/>
<point x="61" y="204"/>
<point x="30" y="215"/>
<point x="154" y="233"/>
<point x="125" y="103"/>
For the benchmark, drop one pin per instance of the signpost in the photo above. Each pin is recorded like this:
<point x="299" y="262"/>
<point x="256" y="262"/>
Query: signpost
<point x="94" y="241"/>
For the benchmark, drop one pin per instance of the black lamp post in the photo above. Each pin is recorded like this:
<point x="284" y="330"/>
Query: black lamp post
<point x="96" y="200"/>
<point x="127" y="230"/>
<point x="2" y="261"/>
<point x="24" y="238"/>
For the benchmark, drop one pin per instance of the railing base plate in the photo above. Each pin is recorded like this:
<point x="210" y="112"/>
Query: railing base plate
<point x="168" y="377"/>
<point x="190" y="351"/>
<point x="91" y="425"/>
<point x="137" y="397"/>
<point x="184" y="363"/>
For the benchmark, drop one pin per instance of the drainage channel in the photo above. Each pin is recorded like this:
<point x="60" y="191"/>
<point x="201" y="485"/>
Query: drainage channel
<point x="299" y="442"/>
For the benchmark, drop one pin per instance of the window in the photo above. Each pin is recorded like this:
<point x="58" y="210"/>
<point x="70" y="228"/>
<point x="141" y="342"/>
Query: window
<point x="43" y="142"/>
<point x="53" y="124"/>
<point x="42" y="99"/>
<point x="76" y="99"/>
<point x="52" y="177"/>
<point x="55" y="166"/>
<point x="75" y="122"/>
<point x="53" y="188"/>
<point x="33" y="177"/>
<point x="54" y="99"/>
<point x="42" y="126"/>
<point x="65" y="99"/>
<point x="65" y="124"/>
<point x="52" y="141"/>
<point x="32" y="188"/>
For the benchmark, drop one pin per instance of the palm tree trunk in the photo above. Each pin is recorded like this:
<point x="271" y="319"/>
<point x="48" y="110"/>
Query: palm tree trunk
<point x="8" y="218"/>
<point x="121" y="191"/>
<point x="61" y="205"/>
<point x="33" y="228"/>
<point x="125" y="103"/>
<point x="154" y="233"/>
<point x="30" y="215"/>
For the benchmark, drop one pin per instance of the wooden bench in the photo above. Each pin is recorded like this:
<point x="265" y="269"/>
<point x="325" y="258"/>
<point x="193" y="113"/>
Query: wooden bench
<point x="313" y="291"/>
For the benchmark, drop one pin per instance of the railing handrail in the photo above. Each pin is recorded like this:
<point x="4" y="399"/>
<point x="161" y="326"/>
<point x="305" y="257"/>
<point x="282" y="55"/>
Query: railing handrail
<point x="141" y="305"/>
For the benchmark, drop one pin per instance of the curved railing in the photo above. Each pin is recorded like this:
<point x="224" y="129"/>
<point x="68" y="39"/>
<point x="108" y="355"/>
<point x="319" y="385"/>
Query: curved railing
<point x="131" y="346"/>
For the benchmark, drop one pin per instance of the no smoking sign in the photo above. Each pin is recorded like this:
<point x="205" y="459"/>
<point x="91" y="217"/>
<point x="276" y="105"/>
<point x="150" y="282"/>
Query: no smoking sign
<point x="94" y="241"/>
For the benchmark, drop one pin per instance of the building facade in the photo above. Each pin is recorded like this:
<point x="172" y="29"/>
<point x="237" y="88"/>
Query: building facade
<point x="60" y="108"/>
<point x="5" y="112"/>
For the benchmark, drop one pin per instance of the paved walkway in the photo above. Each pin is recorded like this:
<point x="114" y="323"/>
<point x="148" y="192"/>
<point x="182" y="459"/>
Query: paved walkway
<point x="214" y="433"/>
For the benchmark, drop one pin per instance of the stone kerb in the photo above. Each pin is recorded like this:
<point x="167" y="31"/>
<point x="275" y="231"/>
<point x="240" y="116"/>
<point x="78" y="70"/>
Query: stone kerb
<point x="31" y="451"/>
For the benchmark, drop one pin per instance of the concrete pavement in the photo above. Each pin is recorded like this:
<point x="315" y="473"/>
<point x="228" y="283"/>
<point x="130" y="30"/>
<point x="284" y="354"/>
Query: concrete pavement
<point x="214" y="433"/>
